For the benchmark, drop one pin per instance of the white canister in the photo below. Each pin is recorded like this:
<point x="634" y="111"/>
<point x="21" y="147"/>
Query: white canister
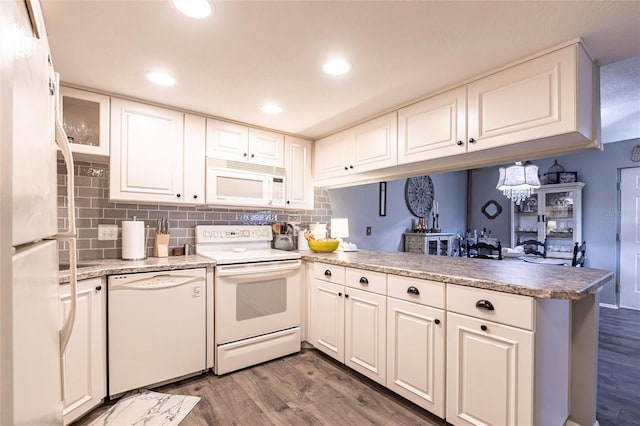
<point x="133" y="241"/>
<point x="303" y="244"/>
<point x="319" y="230"/>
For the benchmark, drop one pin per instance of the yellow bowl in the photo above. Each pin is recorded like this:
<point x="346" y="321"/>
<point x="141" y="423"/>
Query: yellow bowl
<point x="323" y="246"/>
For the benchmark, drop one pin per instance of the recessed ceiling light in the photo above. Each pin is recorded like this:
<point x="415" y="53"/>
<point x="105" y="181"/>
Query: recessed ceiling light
<point x="161" y="78"/>
<point x="337" y="67"/>
<point x="271" y="109"/>
<point x="194" y="8"/>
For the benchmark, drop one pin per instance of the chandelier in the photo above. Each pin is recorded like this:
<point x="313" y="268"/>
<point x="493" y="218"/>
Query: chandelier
<point x="518" y="182"/>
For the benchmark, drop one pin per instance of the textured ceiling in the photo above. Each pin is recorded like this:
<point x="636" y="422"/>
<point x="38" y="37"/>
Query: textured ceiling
<point x="252" y="52"/>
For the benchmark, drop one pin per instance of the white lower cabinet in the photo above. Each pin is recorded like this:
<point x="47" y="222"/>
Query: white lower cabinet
<point x="349" y="324"/>
<point x="416" y="354"/>
<point x="84" y="368"/>
<point x="489" y="373"/>
<point x="365" y="333"/>
<point x="507" y="358"/>
<point x="470" y="355"/>
<point x="327" y="318"/>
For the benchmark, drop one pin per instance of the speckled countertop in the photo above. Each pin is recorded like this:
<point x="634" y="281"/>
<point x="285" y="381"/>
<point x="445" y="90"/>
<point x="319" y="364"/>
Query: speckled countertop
<point x="508" y="276"/>
<point x="102" y="267"/>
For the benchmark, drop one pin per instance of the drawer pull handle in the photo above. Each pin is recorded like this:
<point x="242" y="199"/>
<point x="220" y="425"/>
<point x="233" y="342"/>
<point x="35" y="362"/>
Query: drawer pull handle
<point x="413" y="290"/>
<point x="364" y="280"/>
<point x="437" y="321"/>
<point x="483" y="327"/>
<point x="327" y="273"/>
<point x="484" y="304"/>
<point x="98" y="288"/>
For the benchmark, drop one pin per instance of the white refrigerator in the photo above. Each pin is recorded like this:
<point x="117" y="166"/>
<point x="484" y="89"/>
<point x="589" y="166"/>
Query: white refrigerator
<point x="32" y="335"/>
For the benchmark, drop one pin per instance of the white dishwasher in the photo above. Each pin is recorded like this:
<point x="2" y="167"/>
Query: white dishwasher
<point x="156" y="327"/>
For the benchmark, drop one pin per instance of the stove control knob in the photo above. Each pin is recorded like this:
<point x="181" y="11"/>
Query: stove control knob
<point x="246" y="233"/>
<point x="206" y="234"/>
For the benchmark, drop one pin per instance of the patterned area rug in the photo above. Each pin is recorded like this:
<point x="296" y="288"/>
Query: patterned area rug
<point x="149" y="409"/>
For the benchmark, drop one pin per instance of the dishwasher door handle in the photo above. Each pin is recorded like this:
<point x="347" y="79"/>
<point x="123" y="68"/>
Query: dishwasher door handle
<point x="156" y="282"/>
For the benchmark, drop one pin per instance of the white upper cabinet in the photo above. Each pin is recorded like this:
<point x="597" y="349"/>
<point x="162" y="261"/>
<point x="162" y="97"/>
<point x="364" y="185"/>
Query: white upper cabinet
<point x="194" y="159"/>
<point x="266" y="148"/>
<point x="85" y="118"/>
<point x="230" y="141"/>
<point x="368" y="146"/>
<point x="146" y="152"/>
<point x="332" y="155"/>
<point x="299" y="180"/>
<point x="540" y="98"/>
<point x="433" y="128"/>
<point x="536" y="99"/>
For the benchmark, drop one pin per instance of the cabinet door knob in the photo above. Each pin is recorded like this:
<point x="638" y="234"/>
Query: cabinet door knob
<point x="253" y="155"/>
<point x="485" y="304"/>
<point x="178" y="195"/>
<point x="351" y="166"/>
<point x="364" y="280"/>
<point x="327" y="273"/>
<point x="346" y="295"/>
<point x="472" y="140"/>
<point x="339" y="294"/>
<point x="288" y="202"/>
<point x="413" y="290"/>
<point x="98" y="288"/>
<point x="437" y="321"/>
<point x="244" y="154"/>
<point x="483" y="327"/>
<point x="346" y="168"/>
<point x="460" y="143"/>
<point x="195" y="196"/>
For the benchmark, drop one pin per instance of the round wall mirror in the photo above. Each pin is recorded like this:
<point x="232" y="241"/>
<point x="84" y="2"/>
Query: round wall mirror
<point x="491" y="209"/>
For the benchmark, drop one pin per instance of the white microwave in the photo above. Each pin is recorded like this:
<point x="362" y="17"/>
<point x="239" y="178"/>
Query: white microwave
<point x="236" y="183"/>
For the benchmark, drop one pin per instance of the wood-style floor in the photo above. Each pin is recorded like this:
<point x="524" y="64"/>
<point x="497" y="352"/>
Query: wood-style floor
<point x="311" y="389"/>
<point x="307" y="388"/>
<point x="619" y="368"/>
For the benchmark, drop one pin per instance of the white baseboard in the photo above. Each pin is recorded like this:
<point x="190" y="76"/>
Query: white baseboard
<point x="608" y="305"/>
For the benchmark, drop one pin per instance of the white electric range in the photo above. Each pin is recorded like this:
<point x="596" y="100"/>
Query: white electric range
<point x="256" y="298"/>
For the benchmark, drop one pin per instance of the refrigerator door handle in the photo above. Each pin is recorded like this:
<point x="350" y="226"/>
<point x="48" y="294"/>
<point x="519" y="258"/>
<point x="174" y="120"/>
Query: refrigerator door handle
<point x="70" y="235"/>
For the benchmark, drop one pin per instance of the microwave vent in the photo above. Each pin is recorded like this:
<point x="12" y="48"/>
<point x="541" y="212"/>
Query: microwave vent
<point x="243" y="166"/>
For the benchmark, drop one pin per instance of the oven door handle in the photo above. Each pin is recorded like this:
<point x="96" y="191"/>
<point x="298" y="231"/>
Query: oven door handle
<point x="248" y="269"/>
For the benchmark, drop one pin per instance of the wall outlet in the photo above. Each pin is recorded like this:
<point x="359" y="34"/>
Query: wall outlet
<point x="368" y="230"/>
<point x="107" y="232"/>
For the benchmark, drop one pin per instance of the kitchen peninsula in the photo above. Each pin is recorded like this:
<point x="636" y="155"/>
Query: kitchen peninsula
<point x="520" y="343"/>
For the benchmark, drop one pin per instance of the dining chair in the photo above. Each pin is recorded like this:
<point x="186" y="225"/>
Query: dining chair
<point x="535" y="247"/>
<point x="579" y="254"/>
<point x="482" y="250"/>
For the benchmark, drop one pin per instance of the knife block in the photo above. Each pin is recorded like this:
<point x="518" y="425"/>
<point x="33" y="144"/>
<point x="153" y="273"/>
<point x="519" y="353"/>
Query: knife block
<point x="161" y="245"/>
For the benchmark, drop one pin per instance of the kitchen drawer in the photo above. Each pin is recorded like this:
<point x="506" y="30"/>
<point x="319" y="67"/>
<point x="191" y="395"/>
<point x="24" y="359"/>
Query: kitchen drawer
<point x="430" y="293"/>
<point x="375" y="282"/>
<point x="330" y="273"/>
<point x="509" y="309"/>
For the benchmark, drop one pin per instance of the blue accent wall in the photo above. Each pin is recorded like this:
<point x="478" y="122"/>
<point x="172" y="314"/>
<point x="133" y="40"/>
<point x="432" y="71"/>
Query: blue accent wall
<point x="599" y="170"/>
<point x="360" y="205"/>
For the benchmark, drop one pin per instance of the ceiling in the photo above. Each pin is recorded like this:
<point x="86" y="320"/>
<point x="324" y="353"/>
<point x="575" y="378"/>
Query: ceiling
<point x="252" y="52"/>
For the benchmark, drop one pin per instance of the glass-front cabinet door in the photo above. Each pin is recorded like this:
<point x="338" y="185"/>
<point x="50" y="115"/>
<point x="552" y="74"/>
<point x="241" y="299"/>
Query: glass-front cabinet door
<point x="85" y="118"/>
<point x="559" y="221"/>
<point x="552" y="214"/>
